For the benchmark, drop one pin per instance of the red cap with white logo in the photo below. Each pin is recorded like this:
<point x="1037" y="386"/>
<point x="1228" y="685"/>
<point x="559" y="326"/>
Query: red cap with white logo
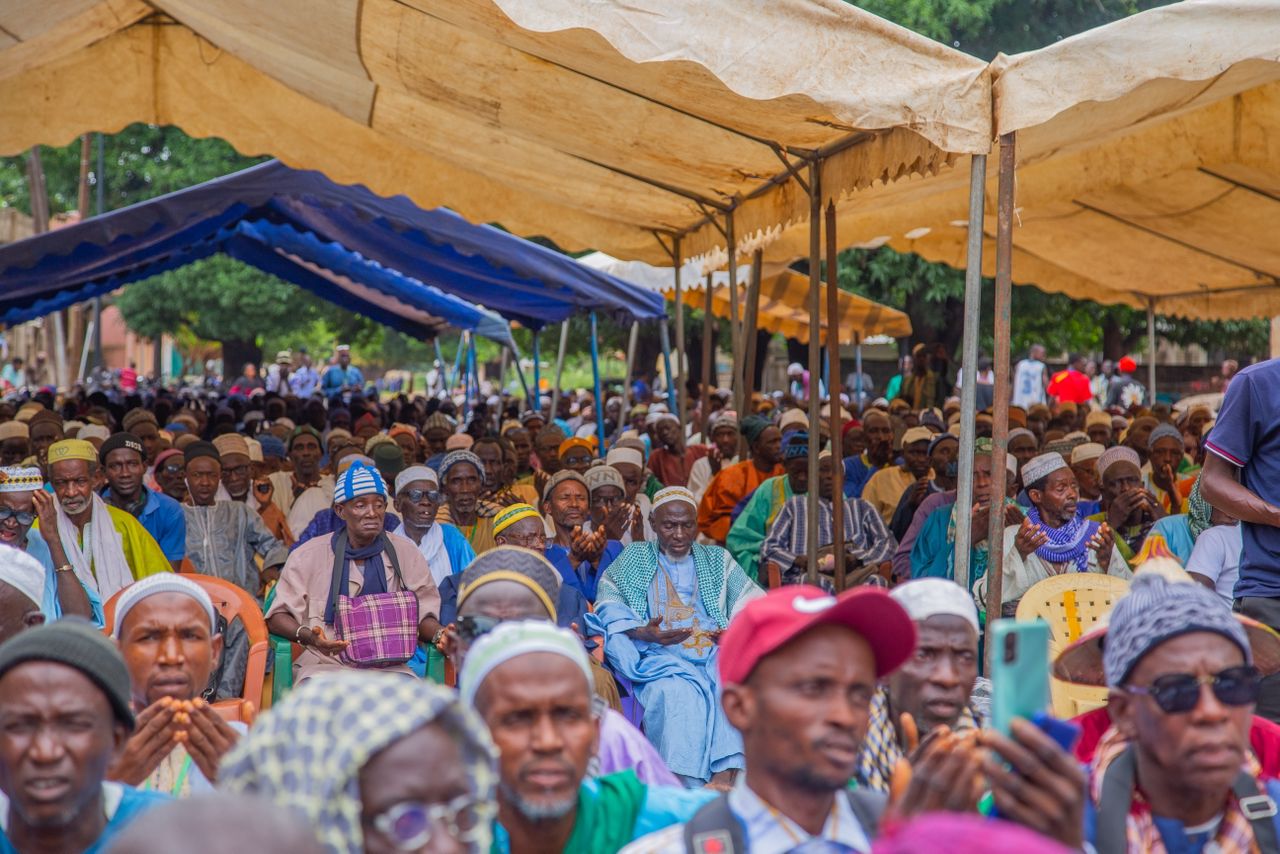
<point x="772" y="621"/>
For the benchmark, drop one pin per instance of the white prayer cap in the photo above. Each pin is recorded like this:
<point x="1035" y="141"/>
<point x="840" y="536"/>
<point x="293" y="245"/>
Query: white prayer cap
<point x="793" y="419"/>
<point x="512" y="640"/>
<point x="94" y="431"/>
<point x="1118" y="454"/>
<point x="22" y="572"/>
<point x="163" y="582"/>
<point x="14" y="430"/>
<point x="673" y="493"/>
<point x="1087" y="452"/>
<point x="255" y="450"/>
<point x="934" y="597"/>
<point x="624" y="455"/>
<point x="413" y="473"/>
<point x="1038" y="468"/>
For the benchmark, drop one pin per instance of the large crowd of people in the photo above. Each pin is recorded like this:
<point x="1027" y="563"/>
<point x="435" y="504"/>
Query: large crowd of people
<point x="300" y="616"/>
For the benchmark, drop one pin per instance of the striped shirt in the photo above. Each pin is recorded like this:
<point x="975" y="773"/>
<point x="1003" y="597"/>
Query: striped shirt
<point x="865" y="534"/>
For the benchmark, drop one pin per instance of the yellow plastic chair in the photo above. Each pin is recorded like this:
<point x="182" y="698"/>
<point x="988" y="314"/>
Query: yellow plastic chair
<point x="1072" y="604"/>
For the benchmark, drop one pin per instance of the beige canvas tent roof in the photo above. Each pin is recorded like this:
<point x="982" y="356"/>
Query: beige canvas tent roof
<point x="784" y="298"/>
<point x="594" y="124"/>
<point x="1148" y="167"/>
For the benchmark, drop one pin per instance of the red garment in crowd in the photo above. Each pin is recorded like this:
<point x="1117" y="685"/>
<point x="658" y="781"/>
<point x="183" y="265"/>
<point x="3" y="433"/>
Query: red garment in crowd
<point x="1264" y="739"/>
<point x="673" y="469"/>
<point x="1070" y="386"/>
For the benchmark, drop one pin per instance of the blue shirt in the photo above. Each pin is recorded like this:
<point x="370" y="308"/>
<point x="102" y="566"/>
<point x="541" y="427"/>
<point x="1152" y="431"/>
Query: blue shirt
<point x="164" y="520"/>
<point x="304" y="381"/>
<point x="336" y="378"/>
<point x="857" y="471"/>
<point x="123" y="804"/>
<point x="49" y="605"/>
<point x="1247" y="435"/>
<point x="582" y="578"/>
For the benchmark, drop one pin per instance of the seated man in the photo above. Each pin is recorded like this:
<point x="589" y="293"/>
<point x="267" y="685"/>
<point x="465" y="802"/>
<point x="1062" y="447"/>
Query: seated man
<point x="858" y="469"/>
<point x="1053" y="538"/>
<point x="124" y="463"/>
<point x="507" y="585"/>
<point x="417" y="498"/>
<point x="943" y="450"/>
<point x="531" y="684"/>
<point x="224" y="537"/>
<point x="167" y="630"/>
<point x="609" y="508"/>
<point x="1175" y="768"/>
<point x="107" y="547"/>
<point x="736" y="482"/>
<point x="462" y="478"/>
<point x="868" y="545"/>
<point x="22" y="501"/>
<point x="1127" y="507"/>
<point x="64" y="712"/>
<point x="753" y="524"/>
<point x="580" y="557"/>
<point x="662" y="607"/>
<point x="21" y="593"/>
<point x="724" y="452"/>
<point x="885" y="488"/>
<point x="932" y="546"/>
<point x="933" y="685"/>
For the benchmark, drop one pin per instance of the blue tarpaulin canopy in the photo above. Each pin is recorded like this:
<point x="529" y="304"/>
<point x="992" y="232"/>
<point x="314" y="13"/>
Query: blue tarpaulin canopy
<point x="415" y="270"/>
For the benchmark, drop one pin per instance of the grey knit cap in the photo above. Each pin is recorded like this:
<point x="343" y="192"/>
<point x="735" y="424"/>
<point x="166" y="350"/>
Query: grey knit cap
<point x="1163" y="431"/>
<point x="79" y="645"/>
<point x="1156" y="610"/>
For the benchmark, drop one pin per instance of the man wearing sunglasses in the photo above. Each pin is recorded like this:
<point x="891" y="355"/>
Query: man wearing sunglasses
<point x="417" y="499"/>
<point x="1183" y="685"/>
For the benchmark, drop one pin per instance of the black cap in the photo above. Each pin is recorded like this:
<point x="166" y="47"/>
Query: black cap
<point x="79" y="645"/>
<point x="116" y="441"/>
<point x="201" y="448"/>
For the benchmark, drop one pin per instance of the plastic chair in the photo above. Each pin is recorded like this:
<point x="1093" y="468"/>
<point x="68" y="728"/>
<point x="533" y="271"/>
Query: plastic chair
<point x="231" y="602"/>
<point x="1072" y="604"/>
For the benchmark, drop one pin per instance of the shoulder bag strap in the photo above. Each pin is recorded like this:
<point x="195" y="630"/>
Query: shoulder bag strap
<point x="395" y="560"/>
<point x="868" y="806"/>
<point x="1260" y="809"/>
<point x="714" y="829"/>
<point x="1113" y="806"/>
<point x="339" y="558"/>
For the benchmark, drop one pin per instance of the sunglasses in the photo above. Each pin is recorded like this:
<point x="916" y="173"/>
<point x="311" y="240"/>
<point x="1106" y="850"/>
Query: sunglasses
<point x="410" y="825"/>
<point x="472" y="627"/>
<point x="416" y="495"/>
<point x="1180" y="692"/>
<point x="23" y="518"/>
<point x="174" y="468"/>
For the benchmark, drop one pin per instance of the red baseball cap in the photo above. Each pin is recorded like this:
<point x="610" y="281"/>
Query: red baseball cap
<point x="1127" y="365"/>
<point x="772" y="621"/>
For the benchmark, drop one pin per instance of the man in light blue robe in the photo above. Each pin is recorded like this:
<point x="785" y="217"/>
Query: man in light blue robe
<point x="661" y="608"/>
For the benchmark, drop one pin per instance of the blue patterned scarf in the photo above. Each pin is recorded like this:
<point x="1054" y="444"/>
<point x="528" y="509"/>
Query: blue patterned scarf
<point x="1068" y="544"/>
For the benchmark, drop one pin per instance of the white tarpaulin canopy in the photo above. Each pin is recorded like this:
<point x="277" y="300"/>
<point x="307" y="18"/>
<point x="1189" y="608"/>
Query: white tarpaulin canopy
<point x="599" y="125"/>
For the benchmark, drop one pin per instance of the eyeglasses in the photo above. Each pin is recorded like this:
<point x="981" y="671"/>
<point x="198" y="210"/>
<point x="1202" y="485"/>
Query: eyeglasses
<point x="533" y="542"/>
<point x="410" y="825"/>
<point x="23" y="517"/>
<point x="472" y="627"/>
<point x="174" y="468"/>
<point x="1177" y="693"/>
<point x="416" y="495"/>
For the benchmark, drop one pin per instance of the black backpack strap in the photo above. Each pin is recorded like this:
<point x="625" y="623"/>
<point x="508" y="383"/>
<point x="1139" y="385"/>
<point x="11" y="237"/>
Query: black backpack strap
<point x="868" y="806"/>
<point x="395" y="561"/>
<point x="1260" y="809"/>
<point x="714" y="829"/>
<point x="339" y="557"/>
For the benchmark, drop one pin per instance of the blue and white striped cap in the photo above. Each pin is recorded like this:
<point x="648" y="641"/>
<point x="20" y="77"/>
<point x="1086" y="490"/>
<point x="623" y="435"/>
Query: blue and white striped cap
<point x="360" y="479"/>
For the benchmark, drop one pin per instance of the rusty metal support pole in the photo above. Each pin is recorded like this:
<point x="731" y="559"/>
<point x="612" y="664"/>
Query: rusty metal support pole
<point x="1000" y="408"/>
<point x="708" y="360"/>
<point x="815" y="366"/>
<point x="969" y="364"/>
<point x="735" y="317"/>
<point x="681" y="392"/>
<point x="749" y="323"/>
<point x="834" y="385"/>
<point x="1151" y="351"/>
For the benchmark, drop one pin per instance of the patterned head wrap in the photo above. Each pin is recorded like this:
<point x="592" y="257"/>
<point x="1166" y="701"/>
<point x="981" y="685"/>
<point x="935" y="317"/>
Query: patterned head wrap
<point x="510" y="563"/>
<point x="673" y="493"/>
<point x="513" y="514"/>
<point x="305" y="755"/>
<point x="796" y="446"/>
<point x="358" y="480"/>
<point x="1118" y="454"/>
<point x="753" y="426"/>
<point x="603" y="475"/>
<point x="20" y="479"/>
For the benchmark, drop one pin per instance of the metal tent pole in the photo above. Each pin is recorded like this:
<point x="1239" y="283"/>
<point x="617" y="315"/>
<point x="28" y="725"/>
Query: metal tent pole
<point x="857" y="367"/>
<point x="815" y="344"/>
<point x="1000" y="407"/>
<point x="1151" y="350"/>
<point x="708" y="360"/>
<point x="595" y="379"/>
<point x="969" y="365"/>
<point x="626" y="380"/>
<point x="665" y="335"/>
<point x="524" y="385"/>
<point x="555" y="391"/>
<point x="682" y="392"/>
<point x="833" y="397"/>
<point x="535" y="402"/>
<point x="749" y="323"/>
<point x="441" y="373"/>
<point x="735" y="326"/>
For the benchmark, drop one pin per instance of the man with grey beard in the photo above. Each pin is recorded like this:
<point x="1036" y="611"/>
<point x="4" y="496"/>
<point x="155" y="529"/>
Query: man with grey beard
<point x="106" y="547"/>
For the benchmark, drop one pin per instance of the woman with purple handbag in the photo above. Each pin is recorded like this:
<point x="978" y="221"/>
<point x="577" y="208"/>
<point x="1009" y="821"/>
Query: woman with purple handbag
<point x="360" y="597"/>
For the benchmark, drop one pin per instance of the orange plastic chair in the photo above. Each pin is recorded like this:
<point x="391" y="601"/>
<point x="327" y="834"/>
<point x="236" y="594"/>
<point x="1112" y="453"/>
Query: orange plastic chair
<point x="231" y="602"/>
<point x="1072" y="604"/>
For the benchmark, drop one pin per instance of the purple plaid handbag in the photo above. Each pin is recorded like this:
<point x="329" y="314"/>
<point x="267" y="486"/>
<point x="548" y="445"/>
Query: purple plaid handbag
<point x="382" y="628"/>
